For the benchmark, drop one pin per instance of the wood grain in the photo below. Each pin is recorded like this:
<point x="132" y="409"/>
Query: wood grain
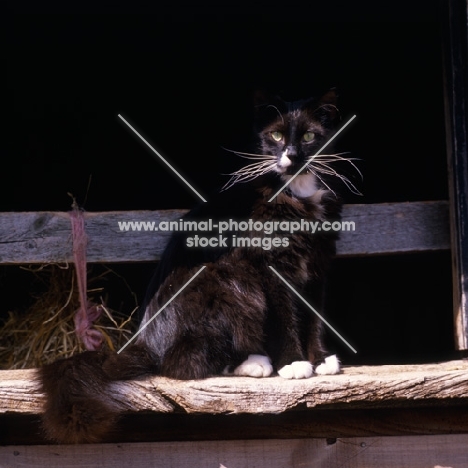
<point x="456" y="122"/>
<point x="354" y="388"/>
<point x="440" y="451"/>
<point x="45" y="237"/>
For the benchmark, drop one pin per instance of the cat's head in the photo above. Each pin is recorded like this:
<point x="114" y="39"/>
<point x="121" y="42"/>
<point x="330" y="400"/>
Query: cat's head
<point x="292" y="136"/>
<point x="292" y="133"/>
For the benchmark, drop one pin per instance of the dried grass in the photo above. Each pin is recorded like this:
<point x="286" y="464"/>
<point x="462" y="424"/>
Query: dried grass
<point x="46" y="331"/>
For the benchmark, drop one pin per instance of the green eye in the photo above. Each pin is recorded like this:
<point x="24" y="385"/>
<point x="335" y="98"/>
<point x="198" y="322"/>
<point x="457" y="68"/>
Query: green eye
<point x="308" y="136"/>
<point x="277" y="136"/>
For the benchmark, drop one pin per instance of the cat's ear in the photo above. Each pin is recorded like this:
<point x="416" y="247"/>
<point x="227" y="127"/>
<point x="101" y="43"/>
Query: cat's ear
<point x="326" y="108"/>
<point x="267" y="108"/>
<point x="330" y="97"/>
<point x="262" y="99"/>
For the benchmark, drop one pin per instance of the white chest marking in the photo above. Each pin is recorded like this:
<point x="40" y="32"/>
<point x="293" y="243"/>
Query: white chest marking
<point x="304" y="185"/>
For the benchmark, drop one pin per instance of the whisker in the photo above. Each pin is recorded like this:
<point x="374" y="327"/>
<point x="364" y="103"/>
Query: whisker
<point x="253" y="167"/>
<point x="252" y="155"/>
<point x="256" y="157"/>
<point x="249" y="172"/>
<point x="322" y="164"/>
<point x="325" y="169"/>
<point x="277" y="110"/>
<point x="264" y="163"/>
<point x="344" y="179"/>
<point x="336" y="157"/>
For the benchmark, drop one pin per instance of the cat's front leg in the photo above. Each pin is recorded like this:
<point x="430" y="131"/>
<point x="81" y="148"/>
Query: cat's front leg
<point x="284" y="337"/>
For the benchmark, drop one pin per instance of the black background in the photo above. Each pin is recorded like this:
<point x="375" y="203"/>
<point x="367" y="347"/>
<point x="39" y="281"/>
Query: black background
<point x="183" y="76"/>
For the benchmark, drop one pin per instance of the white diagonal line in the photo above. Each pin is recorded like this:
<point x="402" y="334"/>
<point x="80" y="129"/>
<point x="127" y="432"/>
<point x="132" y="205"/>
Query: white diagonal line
<point x="308" y="162"/>
<point x="310" y="307"/>
<point x="161" y="158"/>
<point x="161" y="309"/>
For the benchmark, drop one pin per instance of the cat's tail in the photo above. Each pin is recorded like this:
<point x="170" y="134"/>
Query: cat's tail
<point x="79" y="405"/>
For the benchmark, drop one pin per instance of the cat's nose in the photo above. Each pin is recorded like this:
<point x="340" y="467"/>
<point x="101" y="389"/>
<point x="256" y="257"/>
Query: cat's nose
<point x="291" y="151"/>
<point x="285" y="160"/>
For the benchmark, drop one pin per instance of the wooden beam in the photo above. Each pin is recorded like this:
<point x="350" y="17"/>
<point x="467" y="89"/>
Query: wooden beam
<point x="456" y="123"/>
<point x="355" y="388"/>
<point x="395" y="228"/>
<point x="438" y="451"/>
<point x="45" y="237"/>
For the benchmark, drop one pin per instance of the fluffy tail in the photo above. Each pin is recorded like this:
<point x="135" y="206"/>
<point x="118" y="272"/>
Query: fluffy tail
<point x="78" y="404"/>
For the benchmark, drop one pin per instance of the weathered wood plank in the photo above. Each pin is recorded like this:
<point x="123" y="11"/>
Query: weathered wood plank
<point x="392" y="228"/>
<point x="45" y="237"/>
<point x="456" y="121"/>
<point x="355" y="387"/>
<point x="374" y="452"/>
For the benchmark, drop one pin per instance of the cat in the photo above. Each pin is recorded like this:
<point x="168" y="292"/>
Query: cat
<point x="236" y="317"/>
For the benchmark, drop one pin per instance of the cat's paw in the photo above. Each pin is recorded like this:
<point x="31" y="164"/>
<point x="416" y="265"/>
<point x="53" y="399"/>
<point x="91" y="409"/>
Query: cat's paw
<point x="256" y="365"/>
<point x="331" y="366"/>
<point x="297" y="370"/>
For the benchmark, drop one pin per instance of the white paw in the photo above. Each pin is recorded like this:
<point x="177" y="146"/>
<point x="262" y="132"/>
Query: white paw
<point x="297" y="370"/>
<point x="329" y="367"/>
<point x="256" y="365"/>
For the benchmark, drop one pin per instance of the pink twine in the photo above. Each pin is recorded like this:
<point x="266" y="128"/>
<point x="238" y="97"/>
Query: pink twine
<point x="88" y="312"/>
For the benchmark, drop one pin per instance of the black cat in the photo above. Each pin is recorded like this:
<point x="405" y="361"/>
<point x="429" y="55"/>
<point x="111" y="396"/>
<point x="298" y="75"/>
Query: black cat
<point x="237" y="316"/>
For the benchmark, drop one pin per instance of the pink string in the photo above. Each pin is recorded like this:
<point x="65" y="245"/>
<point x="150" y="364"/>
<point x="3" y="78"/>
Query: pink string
<point x="88" y="312"/>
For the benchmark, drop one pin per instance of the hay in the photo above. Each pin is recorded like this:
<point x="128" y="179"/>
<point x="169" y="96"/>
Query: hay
<point x="46" y="330"/>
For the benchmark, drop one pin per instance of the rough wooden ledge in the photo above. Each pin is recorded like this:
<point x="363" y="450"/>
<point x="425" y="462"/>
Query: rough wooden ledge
<point x="355" y="388"/>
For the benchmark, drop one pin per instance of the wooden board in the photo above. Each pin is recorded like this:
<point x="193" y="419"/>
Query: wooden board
<point x="369" y="452"/>
<point x="355" y="387"/>
<point x="456" y="122"/>
<point x="45" y="237"/>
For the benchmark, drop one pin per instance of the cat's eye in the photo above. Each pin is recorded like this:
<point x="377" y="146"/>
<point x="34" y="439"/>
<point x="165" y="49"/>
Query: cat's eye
<point x="308" y="136"/>
<point x="277" y="136"/>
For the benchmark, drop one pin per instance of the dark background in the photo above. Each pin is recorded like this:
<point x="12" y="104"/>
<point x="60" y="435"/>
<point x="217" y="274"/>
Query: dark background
<point x="183" y="77"/>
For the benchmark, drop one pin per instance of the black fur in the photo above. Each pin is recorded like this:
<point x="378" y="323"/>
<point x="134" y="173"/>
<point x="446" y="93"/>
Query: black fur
<point x="237" y="306"/>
